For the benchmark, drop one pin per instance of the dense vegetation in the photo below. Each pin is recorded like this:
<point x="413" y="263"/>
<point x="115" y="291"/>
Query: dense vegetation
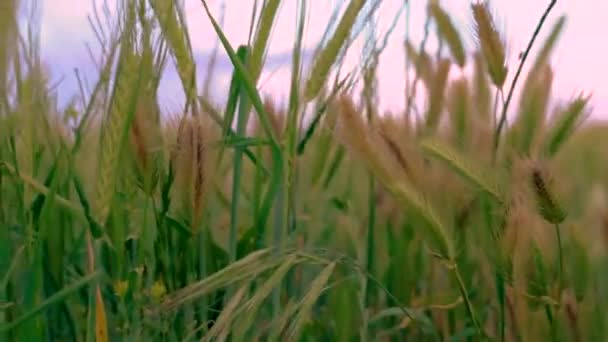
<point x="321" y="221"/>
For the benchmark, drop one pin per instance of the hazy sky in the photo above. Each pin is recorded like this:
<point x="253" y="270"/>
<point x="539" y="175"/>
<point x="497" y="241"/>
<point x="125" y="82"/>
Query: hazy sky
<point x="581" y="58"/>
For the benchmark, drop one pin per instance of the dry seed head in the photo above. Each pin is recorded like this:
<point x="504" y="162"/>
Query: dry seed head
<point x="447" y="31"/>
<point x="458" y="104"/>
<point x="437" y="94"/>
<point x="533" y="108"/>
<point x="491" y="43"/>
<point x="355" y="133"/>
<point x="396" y="140"/>
<point x="328" y="55"/>
<point x="482" y="95"/>
<point x="519" y="218"/>
<point x="146" y="144"/>
<point x="422" y="63"/>
<point x="277" y="119"/>
<point x="546" y="200"/>
<point x="192" y="167"/>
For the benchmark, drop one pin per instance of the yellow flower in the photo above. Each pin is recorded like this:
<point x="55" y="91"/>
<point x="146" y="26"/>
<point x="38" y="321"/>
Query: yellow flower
<point x="121" y="287"/>
<point x="158" y="290"/>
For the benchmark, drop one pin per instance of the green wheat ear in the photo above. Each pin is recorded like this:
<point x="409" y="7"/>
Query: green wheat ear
<point x="532" y="110"/>
<point x="566" y="121"/>
<point x="447" y="31"/>
<point x="174" y="31"/>
<point x="545" y="52"/>
<point x="115" y="130"/>
<point x="267" y="19"/>
<point x="328" y="55"/>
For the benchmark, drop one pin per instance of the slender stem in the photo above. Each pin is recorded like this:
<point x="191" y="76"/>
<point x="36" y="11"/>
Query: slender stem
<point x="517" y="74"/>
<point x="280" y="220"/>
<point x="495" y="107"/>
<point x="368" y="259"/>
<point x="560" y="269"/>
<point x="500" y="288"/>
<point x="407" y="59"/>
<point x="412" y="90"/>
<point x="467" y="300"/>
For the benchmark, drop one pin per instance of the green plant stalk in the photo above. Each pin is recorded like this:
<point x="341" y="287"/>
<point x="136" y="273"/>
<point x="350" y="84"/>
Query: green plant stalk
<point x="243" y="117"/>
<point x="366" y="292"/>
<point x="500" y="291"/>
<point x="560" y="269"/>
<point x="248" y="83"/>
<point x="292" y="134"/>
<point x="280" y="222"/>
<point x="57" y="297"/>
<point x="467" y="301"/>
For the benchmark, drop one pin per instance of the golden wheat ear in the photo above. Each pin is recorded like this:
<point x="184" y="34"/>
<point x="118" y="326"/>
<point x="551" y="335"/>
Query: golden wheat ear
<point x="192" y="168"/>
<point x="436" y="96"/>
<point x="459" y="110"/>
<point x="146" y="146"/>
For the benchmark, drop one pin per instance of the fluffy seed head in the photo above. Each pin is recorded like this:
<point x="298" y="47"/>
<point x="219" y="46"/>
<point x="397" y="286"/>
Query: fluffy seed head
<point x="490" y="42"/>
<point x="546" y="201"/>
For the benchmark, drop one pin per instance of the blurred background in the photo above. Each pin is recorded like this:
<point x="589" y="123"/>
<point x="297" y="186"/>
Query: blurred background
<point x="581" y="55"/>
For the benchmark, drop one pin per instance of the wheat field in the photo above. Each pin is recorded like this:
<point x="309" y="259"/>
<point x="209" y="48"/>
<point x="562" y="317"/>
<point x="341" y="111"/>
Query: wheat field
<point x="319" y="220"/>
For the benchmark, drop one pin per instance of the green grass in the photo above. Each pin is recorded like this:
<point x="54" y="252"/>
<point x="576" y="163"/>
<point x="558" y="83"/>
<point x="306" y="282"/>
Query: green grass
<point x="320" y="221"/>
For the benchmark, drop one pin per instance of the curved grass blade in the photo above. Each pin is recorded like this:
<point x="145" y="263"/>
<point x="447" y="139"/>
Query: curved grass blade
<point x="316" y="289"/>
<point x="246" y="78"/>
<point x="251" y="308"/>
<point x="57" y="297"/>
<point x="242" y="269"/>
<point x="463" y="167"/>
<point x="221" y="327"/>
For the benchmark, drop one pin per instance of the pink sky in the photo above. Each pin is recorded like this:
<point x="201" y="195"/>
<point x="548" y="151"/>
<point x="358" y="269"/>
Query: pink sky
<point x="581" y="59"/>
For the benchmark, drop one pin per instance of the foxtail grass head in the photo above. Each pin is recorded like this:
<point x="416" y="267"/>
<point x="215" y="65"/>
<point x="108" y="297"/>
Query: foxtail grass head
<point x="491" y="43"/>
<point x="547" y="202"/>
